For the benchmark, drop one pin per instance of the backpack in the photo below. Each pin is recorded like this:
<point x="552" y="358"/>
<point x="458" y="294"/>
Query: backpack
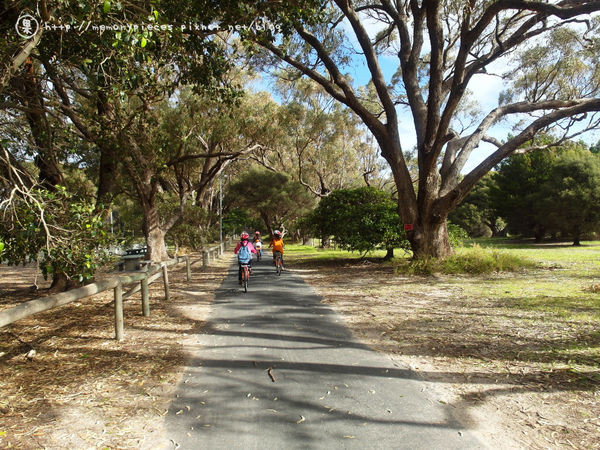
<point x="244" y="255"/>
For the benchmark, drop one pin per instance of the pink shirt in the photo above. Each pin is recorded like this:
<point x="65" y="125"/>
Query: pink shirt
<point x="249" y="244"/>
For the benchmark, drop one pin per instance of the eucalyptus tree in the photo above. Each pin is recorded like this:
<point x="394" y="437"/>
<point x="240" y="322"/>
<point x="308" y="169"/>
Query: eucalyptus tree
<point x="546" y="53"/>
<point x="178" y="148"/>
<point x="272" y="197"/>
<point x="315" y="140"/>
<point x="86" y="84"/>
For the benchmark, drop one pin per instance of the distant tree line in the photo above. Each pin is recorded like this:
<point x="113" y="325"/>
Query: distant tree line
<point x="546" y="193"/>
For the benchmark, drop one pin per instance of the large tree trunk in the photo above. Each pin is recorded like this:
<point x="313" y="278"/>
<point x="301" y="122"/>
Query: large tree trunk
<point x="61" y="283"/>
<point x="46" y="160"/>
<point x="30" y="91"/>
<point x="109" y="156"/>
<point x="155" y="235"/>
<point x="430" y="239"/>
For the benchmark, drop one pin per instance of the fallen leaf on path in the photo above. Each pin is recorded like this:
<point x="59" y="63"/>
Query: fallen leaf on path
<point x="302" y="419"/>
<point x="270" y="372"/>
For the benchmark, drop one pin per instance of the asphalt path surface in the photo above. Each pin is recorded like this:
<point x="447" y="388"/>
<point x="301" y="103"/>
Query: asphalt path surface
<point x="277" y="369"/>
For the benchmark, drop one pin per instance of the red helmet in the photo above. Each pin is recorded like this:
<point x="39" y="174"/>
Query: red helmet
<point x="257" y="232"/>
<point x="244" y="235"/>
<point x="277" y="233"/>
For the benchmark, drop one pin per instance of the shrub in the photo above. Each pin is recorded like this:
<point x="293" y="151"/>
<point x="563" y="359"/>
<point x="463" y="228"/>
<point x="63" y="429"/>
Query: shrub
<point x="456" y="235"/>
<point x="361" y="220"/>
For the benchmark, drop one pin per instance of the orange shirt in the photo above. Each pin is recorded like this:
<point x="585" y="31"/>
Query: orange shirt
<point x="277" y="245"/>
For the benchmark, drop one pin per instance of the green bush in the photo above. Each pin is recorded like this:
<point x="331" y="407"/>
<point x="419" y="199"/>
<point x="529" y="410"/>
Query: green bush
<point x="456" y="235"/>
<point x="361" y="220"/>
<point x="474" y="261"/>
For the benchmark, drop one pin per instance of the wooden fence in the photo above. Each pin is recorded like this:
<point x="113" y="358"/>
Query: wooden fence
<point x="142" y="281"/>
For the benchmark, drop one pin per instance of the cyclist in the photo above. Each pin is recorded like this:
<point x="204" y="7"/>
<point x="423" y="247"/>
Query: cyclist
<point x="277" y="245"/>
<point x="257" y="242"/>
<point x="244" y="250"/>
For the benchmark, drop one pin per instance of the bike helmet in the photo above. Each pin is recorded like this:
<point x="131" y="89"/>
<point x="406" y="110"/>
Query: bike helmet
<point x="277" y="233"/>
<point x="244" y="235"/>
<point x="257" y="233"/>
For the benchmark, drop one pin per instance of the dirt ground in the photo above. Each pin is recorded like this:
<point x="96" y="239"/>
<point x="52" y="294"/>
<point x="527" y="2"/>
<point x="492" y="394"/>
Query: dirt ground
<point x="489" y="364"/>
<point x="82" y="389"/>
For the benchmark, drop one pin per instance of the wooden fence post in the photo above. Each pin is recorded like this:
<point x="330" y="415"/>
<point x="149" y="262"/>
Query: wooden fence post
<point x="145" y="297"/>
<point x="205" y="259"/>
<point x="166" y="281"/>
<point x="188" y="269"/>
<point x="119" y="312"/>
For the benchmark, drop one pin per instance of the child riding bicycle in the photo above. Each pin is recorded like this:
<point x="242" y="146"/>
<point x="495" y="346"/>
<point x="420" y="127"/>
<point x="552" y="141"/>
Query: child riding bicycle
<point x="257" y="242"/>
<point x="277" y="245"/>
<point x="244" y="250"/>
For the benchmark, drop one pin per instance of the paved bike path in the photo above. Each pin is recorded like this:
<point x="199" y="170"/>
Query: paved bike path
<point x="277" y="369"/>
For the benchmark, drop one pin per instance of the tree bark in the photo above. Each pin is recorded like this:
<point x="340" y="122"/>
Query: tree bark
<point x="107" y="170"/>
<point x="46" y="160"/>
<point x="429" y="238"/>
<point x="155" y="235"/>
<point x="390" y="254"/>
<point x="61" y="283"/>
<point x="30" y="91"/>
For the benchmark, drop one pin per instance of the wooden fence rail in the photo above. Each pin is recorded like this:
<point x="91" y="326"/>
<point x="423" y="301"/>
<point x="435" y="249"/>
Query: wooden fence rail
<point x="144" y="279"/>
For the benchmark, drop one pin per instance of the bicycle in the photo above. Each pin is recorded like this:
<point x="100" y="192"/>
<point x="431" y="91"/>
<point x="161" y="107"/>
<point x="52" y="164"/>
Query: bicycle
<point x="245" y="276"/>
<point x="258" y="248"/>
<point x="278" y="263"/>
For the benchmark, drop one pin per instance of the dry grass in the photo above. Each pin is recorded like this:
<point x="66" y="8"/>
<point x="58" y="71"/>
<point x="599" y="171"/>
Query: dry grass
<point x="525" y="378"/>
<point x="83" y="389"/>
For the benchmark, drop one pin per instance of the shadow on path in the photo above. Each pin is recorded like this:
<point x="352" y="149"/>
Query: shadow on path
<point x="275" y="368"/>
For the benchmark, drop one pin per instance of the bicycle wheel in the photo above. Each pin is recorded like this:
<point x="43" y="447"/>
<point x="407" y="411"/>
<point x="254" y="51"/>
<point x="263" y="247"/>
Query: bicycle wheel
<point x="246" y="275"/>
<point x="279" y="265"/>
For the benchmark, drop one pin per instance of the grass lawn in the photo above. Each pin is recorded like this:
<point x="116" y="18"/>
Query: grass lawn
<point x="521" y="345"/>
